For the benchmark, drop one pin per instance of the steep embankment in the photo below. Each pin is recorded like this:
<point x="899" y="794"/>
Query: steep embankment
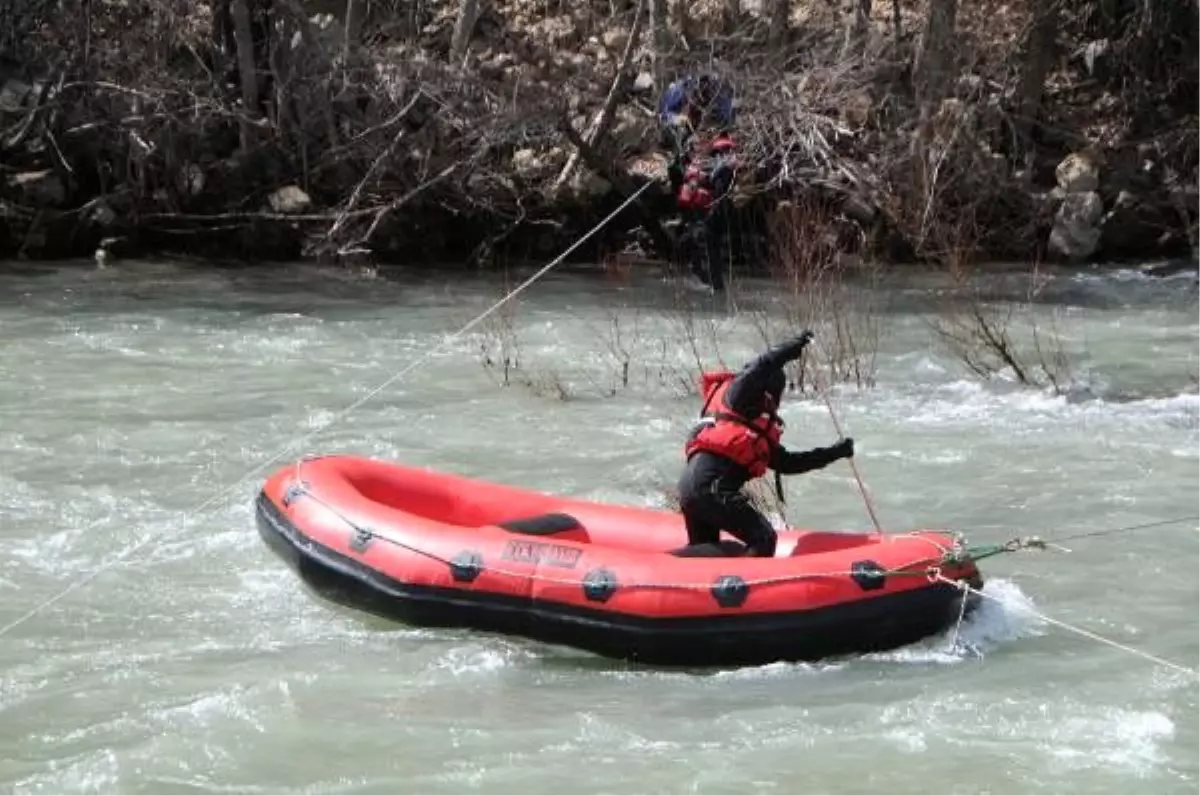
<point x="267" y="129"/>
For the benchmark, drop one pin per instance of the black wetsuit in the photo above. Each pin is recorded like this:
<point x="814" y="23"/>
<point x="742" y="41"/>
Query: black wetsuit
<point x="710" y="488"/>
<point x="705" y="231"/>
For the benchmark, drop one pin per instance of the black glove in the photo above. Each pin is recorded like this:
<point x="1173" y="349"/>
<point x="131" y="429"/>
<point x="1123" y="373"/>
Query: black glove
<point x="844" y="449"/>
<point x="794" y="347"/>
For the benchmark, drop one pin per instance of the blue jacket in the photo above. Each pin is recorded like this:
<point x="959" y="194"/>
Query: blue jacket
<point x="675" y="100"/>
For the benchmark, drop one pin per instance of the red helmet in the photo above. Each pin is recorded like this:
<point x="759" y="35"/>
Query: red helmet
<point x="722" y="143"/>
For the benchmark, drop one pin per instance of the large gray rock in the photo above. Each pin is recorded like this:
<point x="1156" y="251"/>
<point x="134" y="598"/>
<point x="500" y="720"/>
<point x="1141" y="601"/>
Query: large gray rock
<point x="1076" y="232"/>
<point x="41" y="188"/>
<point x="14" y="94"/>
<point x="631" y="129"/>
<point x="531" y="166"/>
<point x="289" y="199"/>
<point x="1078" y="173"/>
<point x="586" y="185"/>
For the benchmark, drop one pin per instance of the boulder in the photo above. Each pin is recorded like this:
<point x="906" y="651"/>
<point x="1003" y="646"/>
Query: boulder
<point x="1078" y="173"/>
<point x="631" y="130"/>
<point x="615" y="39"/>
<point x="643" y="83"/>
<point x="41" y="188"/>
<point x="1076" y="233"/>
<point x="530" y="166"/>
<point x="1134" y="226"/>
<point x="586" y="185"/>
<point x="652" y="166"/>
<point x="289" y="199"/>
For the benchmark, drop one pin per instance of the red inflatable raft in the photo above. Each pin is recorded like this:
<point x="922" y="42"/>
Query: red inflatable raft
<point x="436" y="549"/>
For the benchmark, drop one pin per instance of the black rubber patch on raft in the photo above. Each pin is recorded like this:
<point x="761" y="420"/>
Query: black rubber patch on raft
<point x="730" y="591"/>
<point x="599" y="585"/>
<point x="868" y="575"/>
<point x="360" y="540"/>
<point x="542" y="524"/>
<point x="294" y="491"/>
<point x="466" y="566"/>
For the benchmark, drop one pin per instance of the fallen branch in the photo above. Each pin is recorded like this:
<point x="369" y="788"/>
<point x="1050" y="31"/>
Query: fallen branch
<point x="405" y="199"/>
<point x="366" y="178"/>
<point x="600" y="165"/>
<point x="603" y="120"/>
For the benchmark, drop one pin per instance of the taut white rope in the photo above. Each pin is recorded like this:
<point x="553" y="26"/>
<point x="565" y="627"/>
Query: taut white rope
<point x="293" y="444"/>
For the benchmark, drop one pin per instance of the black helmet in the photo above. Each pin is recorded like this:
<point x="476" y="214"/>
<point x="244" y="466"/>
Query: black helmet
<point x="776" y="382"/>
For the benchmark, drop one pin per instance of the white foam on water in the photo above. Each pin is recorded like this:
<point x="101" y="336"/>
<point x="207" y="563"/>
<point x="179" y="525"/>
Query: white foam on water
<point x="997" y="620"/>
<point x="98" y="771"/>
<point x="480" y="659"/>
<point x="1110" y="737"/>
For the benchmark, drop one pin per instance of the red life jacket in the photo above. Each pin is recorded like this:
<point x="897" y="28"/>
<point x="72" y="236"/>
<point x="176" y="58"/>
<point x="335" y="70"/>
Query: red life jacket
<point x="726" y="433"/>
<point x="696" y="193"/>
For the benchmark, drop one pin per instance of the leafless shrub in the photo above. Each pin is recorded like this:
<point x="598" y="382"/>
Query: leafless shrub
<point x="823" y="288"/>
<point x="500" y="343"/>
<point x="987" y="336"/>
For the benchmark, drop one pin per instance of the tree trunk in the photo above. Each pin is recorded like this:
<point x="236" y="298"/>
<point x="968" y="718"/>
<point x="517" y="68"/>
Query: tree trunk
<point x="603" y="120"/>
<point x="780" y="22"/>
<point x="682" y="20"/>
<point x="857" y="19"/>
<point x="1038" y="52"/>
<point x="660" y="42"/>
<point x="730" y="15"/>
<point x="243" y="36"/>
<point x="897" y="24"/>
<point x="351" y="29"/>
<point x="468" y="10"/>
<point x="935" y="56"/>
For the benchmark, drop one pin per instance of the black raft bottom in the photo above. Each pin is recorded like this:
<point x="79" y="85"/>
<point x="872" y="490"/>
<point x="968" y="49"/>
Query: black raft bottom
<point x="725" y="639"/>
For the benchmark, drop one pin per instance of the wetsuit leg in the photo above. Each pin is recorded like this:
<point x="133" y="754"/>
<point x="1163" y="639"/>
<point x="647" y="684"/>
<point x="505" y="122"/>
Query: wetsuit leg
<point x="714" y="232"/>
<point x="694" y="246"/>
<point x="707" y="512"/>
<point x="737" y="516"/>
<point x="700" y="529"/>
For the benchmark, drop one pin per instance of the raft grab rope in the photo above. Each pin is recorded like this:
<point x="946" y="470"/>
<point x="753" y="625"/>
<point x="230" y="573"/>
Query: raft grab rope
<point x="930" y="568"/>
<point x="921" y="567"/>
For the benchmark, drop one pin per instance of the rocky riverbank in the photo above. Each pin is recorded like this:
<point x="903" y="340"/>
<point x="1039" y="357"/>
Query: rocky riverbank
<point x="468" y="131"/>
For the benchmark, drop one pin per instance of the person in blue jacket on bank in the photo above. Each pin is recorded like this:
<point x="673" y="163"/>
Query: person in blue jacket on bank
<point x="688" y="103"/>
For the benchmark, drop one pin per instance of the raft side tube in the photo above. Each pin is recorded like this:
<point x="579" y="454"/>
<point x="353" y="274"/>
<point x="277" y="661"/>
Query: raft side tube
<point x="725" y="636"/>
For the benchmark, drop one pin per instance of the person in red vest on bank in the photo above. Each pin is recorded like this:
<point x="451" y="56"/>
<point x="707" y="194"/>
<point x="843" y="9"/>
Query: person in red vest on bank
<point x="702" y="183"/>
<point x="739" y="438"/>
<point x="701" y="171"/>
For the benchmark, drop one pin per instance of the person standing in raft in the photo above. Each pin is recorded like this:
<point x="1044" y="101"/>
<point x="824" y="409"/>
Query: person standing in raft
<point x="737" y="439"/>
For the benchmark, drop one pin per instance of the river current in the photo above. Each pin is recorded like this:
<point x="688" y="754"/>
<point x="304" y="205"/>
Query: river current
<point x="140" y="405"/>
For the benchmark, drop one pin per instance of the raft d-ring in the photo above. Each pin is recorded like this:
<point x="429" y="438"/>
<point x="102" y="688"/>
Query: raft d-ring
<point x="466" y="566"/>
<point x="934" y="574"/>
<point x="295" y="490"/>
<point x="599" y="585"/>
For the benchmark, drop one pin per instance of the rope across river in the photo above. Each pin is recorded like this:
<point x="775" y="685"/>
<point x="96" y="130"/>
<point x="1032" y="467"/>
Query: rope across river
<point x="930" y="568"/>
<point x="292" y="445"/>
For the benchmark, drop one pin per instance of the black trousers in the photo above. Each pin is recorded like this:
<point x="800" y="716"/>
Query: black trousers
<point x="709" y="509"/>
<point x="701" y="247"/>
